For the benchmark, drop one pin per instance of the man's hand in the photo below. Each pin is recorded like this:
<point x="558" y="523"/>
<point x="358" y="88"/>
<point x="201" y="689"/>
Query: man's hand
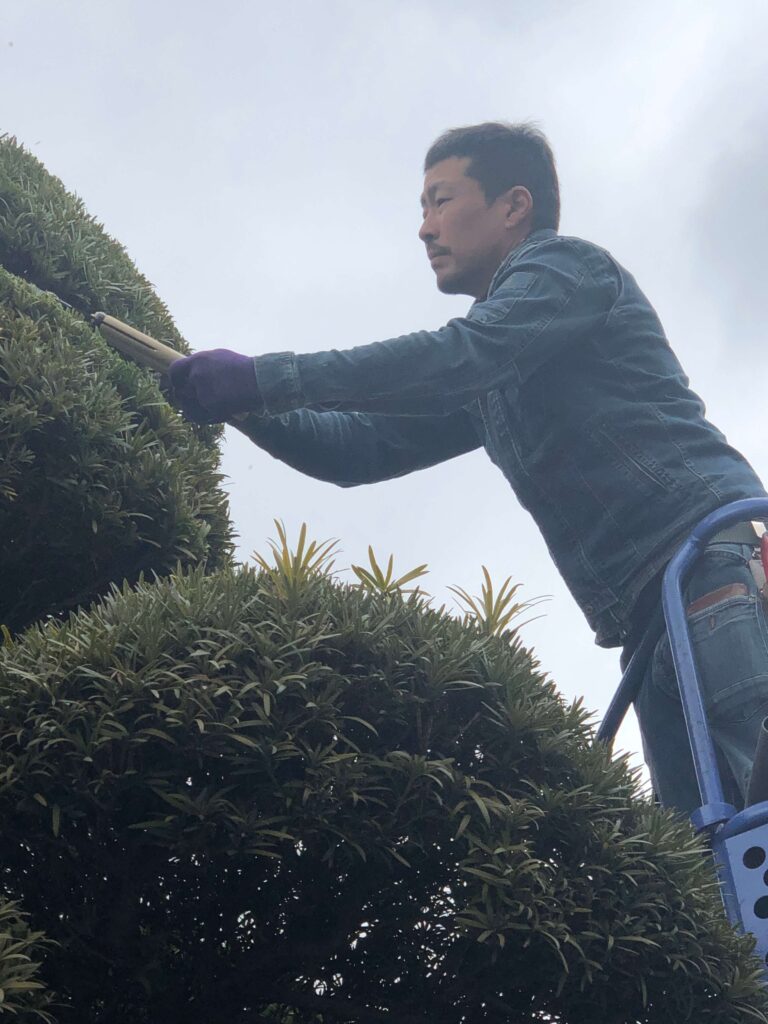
<point x="212" y="387"/>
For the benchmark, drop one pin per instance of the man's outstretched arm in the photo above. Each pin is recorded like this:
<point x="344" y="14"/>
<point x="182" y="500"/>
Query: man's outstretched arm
<point x="555" y="297"/>
<point x="348" y="449"/>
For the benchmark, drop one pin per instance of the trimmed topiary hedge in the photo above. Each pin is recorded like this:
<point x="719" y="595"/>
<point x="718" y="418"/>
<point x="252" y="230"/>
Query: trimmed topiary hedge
<point x="47" y="237"/>
<point x="271" y="796"/>
<point x="100" y="480"/>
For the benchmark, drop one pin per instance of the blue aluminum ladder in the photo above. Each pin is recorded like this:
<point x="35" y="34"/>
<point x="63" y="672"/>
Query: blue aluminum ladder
<point x="739" y="840"/>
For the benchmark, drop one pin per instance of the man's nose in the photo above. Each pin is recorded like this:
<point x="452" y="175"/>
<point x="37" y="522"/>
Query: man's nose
<point x="427" y="231"/>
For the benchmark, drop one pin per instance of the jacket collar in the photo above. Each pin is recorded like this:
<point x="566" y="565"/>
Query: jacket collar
<point x="532" y="239"/>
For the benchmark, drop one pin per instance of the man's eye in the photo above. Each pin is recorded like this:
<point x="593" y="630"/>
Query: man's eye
<point x="441" y="200"/>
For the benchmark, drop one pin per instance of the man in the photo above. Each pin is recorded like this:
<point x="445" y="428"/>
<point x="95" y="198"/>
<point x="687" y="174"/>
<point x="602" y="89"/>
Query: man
<point x="561" y="370"/>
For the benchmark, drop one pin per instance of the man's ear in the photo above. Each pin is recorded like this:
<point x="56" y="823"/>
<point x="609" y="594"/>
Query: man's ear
<point x="519" y="203"/>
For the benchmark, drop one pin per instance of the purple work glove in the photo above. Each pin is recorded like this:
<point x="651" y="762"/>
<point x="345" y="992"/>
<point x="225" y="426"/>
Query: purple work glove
<point x="212" y="387"/>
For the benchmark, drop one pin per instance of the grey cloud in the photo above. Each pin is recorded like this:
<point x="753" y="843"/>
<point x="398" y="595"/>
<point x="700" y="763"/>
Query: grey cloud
<point x="729" y="225"/>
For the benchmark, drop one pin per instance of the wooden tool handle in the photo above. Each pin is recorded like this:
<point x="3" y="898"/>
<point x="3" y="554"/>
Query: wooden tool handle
<point x="144" y="349"/>
<point x="135" y="344"/>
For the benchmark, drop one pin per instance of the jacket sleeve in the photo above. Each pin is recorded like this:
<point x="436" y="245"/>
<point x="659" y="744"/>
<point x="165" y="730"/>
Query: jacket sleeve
<point x="348" y="449"/>
<point x="552" y="298"/>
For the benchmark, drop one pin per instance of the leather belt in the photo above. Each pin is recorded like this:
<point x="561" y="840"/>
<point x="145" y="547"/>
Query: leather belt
<point x="741" y="533"/>
<point x="714" y="597"/>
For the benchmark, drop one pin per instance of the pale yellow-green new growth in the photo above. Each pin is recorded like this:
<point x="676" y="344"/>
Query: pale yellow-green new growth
<point x="493" y="612"/>
<point x="376" y="581"/>
<point x="293" y="568"/>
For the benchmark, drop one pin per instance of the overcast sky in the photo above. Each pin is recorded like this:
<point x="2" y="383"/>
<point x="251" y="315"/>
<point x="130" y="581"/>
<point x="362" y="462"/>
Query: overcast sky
<point x="262" y="164"/>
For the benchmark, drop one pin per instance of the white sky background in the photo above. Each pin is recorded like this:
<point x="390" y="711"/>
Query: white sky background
<point x="262" y="164"/>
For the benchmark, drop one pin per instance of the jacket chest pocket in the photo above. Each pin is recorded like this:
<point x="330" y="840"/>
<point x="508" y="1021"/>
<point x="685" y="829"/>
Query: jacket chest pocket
<point x="499" y="423"/>
<point x="524" y="424"/>
<point x="504" y="447"/>
<point x="625" y="459"/>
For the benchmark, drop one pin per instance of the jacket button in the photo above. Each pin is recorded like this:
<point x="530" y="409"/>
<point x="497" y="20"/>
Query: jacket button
<point x="589" y="609"/>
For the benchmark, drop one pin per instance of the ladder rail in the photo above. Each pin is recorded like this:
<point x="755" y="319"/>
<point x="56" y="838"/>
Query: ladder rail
<point x="714" y="809"/>
<point x="739" y="841"/>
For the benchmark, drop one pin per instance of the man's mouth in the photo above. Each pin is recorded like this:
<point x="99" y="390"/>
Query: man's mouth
<point x="436" y="254"/>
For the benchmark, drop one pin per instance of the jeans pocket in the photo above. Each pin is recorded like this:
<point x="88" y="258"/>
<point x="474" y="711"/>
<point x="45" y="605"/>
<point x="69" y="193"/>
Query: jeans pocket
<point x="730" y="642"/>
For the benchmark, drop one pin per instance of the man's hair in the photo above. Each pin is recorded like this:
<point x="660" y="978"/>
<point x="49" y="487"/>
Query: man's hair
<point x="503" y="155"/>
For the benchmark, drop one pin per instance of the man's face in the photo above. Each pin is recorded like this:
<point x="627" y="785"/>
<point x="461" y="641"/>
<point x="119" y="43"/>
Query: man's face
<point x="466" y="239"/>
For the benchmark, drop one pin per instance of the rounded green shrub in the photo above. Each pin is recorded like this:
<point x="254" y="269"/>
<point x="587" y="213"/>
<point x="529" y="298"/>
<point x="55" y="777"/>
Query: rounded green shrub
<point x="270" y="796"/>
<point x="100" y="480"/>
<point x="48" y="238"/>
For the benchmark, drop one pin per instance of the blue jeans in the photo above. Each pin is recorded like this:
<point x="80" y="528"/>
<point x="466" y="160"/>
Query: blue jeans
<point x="730" y="641"/>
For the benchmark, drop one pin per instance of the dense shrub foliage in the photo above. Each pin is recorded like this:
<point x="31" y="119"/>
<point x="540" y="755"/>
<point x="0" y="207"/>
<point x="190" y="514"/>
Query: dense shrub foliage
<point x="99" y="478"/>
<point x="47" y="237"/>
<point x="22" y="994"/>
<point x="260" y="796"/>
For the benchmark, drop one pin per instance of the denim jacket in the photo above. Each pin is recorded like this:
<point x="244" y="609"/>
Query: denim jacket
<point x="564" y="375"/>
